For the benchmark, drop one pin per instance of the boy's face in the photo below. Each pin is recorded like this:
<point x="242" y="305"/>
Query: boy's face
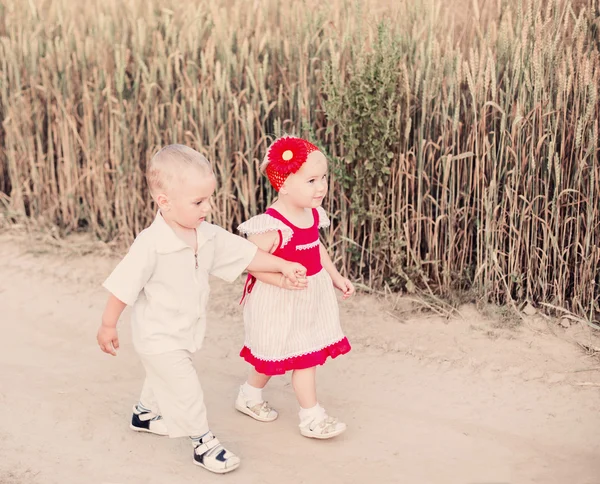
<point x="308" y="186"/>
<point x="190" y="201"/>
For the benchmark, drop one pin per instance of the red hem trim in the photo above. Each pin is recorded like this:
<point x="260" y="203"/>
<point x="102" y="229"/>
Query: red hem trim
<point x="279" y="367"/>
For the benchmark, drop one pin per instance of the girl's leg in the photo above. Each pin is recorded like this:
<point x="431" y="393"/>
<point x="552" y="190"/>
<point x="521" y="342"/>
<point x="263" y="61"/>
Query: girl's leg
<point x="250" y="400"/>
<point x="314" y="421"/>
<point x="305" y="386"/>
<point x="257" y="380"/>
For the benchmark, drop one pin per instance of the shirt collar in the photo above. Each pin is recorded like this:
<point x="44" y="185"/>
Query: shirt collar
<point x="167" y="239"/>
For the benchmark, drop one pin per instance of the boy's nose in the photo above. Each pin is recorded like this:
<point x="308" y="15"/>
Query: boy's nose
<point x="207" y="208"/>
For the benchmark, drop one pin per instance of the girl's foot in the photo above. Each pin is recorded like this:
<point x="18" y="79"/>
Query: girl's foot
<point x="258" y="410"/>
<point x="210" y="454"/>
<point x="316" y="424"/>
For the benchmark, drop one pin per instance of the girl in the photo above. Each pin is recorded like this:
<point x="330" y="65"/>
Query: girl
<point x="293" y="327"/>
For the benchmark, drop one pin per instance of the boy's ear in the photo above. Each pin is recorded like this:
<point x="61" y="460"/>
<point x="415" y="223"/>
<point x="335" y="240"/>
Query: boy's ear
<point x="163" y="202"/>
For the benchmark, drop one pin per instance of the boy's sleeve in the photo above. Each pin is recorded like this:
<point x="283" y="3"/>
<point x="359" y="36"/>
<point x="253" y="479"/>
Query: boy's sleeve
<point x="132" y="273"/>
<point x="232" y="255"/>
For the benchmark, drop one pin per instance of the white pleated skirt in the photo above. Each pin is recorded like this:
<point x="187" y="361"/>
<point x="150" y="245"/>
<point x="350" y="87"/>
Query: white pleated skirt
<point x="288" y="329"/>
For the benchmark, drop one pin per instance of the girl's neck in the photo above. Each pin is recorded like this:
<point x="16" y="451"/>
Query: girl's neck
<point x="294" y="213"/>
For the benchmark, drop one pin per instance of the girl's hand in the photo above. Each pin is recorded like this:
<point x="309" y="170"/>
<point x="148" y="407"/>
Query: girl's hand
<point x="345" y="286"/>
<point x="108" y="339"/>
<point x="294" y="272"/>
<point x="300" y="284"/>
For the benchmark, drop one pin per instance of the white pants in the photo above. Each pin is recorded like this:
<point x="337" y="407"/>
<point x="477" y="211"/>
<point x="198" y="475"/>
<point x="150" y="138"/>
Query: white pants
<point x="172" y="389"/>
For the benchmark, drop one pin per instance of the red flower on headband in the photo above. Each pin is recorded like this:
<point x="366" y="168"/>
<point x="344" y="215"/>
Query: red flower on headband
<point x="286" y="156"/>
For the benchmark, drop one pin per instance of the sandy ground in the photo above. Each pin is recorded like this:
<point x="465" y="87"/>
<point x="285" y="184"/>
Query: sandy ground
<point x="427" y="400"/>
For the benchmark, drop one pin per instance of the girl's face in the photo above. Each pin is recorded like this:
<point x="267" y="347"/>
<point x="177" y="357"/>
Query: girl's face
<point x="308" y="186"/>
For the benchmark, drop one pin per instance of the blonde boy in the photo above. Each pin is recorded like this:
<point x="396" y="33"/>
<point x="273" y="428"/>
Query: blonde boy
<point x="164" y="277"/>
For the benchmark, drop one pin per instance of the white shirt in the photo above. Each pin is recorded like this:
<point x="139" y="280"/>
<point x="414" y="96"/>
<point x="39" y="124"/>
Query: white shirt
<point x="169" y="295"/>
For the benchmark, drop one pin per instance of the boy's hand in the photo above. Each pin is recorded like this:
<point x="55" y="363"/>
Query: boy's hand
<point x="294" y="272"/>
<point x="300" y="284"/>
<point x="345" y="286"/>
<point x="108" y="339"/>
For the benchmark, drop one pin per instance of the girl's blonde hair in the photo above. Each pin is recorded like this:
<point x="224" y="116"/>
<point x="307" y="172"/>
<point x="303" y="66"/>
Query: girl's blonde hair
<point x="264" y="163"/>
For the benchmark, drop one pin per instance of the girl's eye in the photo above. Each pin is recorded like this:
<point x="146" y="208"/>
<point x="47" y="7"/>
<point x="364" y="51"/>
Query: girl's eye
<point x="311" y="181"/>
<point x="200" y="202"/>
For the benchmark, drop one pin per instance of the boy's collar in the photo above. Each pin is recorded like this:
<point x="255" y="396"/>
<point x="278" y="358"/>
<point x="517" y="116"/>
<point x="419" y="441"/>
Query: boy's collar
<point x="168" y="241"/>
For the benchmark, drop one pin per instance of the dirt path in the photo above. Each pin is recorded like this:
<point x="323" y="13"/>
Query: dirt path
<point x="427" y="401"/>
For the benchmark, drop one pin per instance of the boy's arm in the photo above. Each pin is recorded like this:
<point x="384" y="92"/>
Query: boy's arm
<point x="112" y="311"/>
<point x="265" y="262"/>
<point x="107" y="336"/>
<point x="124" y="285"/>
<point x="268" y="243"/>
<point x="234" y="254"/>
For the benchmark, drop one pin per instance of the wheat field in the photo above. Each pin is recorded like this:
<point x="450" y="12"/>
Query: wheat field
<point x="463" y="148"/>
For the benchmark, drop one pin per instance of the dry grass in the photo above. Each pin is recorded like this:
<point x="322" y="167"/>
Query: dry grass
<point x="464" y="149"/>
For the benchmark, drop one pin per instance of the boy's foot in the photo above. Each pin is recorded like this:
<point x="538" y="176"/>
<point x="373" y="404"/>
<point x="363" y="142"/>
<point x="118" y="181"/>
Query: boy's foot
<point x="211" y="455"/>
<point x="322" y="427"/>
<point x="260" y="411"/>
<point x="145" y="421"/>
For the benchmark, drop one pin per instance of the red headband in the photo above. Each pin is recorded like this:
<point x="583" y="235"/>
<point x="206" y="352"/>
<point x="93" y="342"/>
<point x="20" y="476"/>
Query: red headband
<point x="286" y="156"/>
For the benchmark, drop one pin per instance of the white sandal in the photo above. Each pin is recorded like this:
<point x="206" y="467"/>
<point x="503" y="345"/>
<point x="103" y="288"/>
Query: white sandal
<point x="322" y="428"/>
<point x="260" y="411"/>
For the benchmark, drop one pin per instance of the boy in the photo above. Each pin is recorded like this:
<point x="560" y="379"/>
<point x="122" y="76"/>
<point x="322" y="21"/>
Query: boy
<point x="164" y="277"/>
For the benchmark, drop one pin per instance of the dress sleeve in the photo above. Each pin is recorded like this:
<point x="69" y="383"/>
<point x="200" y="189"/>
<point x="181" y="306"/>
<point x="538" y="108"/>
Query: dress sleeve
<point x="264" y="223"/>
<point x="323" y="218"/>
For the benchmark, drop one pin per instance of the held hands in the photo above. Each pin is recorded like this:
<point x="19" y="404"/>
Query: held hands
<point x="301" y="283"/>
<point x="108" y="339"/>
<point x="293" y="276"/>
<point x="344" y="285"/>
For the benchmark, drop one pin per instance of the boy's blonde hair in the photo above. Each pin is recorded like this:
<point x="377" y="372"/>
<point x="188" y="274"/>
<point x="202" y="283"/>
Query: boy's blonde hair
<point x="166" y="167"/>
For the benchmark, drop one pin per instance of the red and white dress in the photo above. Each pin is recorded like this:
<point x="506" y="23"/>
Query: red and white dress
<point x="285" y="329"/>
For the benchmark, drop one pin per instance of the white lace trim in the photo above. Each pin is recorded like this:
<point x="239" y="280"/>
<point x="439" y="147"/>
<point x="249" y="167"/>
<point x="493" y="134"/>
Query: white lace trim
<point x="308" y="246"/>
<point x="261" y="224"/>
<point x="293" y="355"/>
<point x="323" y="218"/>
